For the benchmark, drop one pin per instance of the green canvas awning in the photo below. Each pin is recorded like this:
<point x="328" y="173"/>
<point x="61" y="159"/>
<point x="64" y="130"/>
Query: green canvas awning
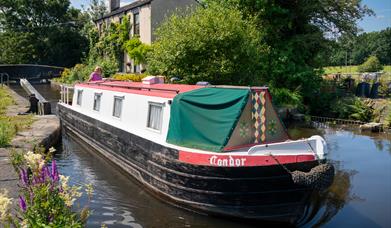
<point x="205" y="118"/>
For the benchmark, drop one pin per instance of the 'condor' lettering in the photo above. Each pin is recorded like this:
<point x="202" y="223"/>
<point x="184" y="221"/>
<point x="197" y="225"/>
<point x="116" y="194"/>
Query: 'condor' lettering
<point x="227" y="162"/>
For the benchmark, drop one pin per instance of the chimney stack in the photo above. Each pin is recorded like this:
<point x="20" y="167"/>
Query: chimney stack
<point x="114" y="4"/>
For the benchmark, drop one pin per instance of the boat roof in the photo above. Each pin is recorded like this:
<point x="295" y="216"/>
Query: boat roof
<point x="155" y="90"/>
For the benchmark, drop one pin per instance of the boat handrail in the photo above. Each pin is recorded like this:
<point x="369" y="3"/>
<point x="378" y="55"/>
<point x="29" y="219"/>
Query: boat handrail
<point x="240" y="87"/>
<point x="133" y="87"/>
<point x="64" y="92"/>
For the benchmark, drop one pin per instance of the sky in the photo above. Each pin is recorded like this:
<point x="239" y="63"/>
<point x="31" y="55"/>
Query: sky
<point x="382" y="8"/>
<point x="79" y="3"/>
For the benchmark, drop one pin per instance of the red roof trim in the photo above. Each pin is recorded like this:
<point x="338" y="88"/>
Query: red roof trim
<point x="155" y="90"/>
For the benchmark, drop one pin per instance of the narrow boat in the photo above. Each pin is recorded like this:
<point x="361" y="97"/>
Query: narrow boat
<point x="215" y="149"/>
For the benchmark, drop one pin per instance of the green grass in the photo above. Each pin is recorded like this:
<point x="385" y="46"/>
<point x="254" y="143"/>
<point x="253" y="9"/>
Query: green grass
<point x="354" y="70"/>
<point x="10" y="125"/>
<point x="349" y="69"/>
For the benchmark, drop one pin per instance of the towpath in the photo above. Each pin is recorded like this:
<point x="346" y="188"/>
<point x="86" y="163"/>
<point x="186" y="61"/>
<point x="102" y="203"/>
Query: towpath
<point x="44" y="131"/>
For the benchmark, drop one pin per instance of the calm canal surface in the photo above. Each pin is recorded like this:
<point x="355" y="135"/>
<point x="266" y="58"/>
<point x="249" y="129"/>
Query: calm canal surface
<point x="359" y="197"/>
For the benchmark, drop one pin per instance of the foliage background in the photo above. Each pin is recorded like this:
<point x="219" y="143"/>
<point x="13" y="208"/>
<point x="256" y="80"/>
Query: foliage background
<point x="41" y="32"/>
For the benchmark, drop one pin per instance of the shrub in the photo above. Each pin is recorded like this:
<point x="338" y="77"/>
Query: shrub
<point x="388" y="120"/>
<point x="137" y="50"/>
<point x="214" y="44"/>
<point x="131" y="77"/>
<point x="352" y="108"/>
<point x="285" y="97"/>
<point x="109" y="66"/>
<point x="46" y="198"/>
<point x="372" y="64"/>
<point x="81" y="72"/>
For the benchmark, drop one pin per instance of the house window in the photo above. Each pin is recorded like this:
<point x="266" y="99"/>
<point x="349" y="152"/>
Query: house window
<point x="117" y="109"/>
<point x="136" y="22"/>
<point x="155" y="116"/>
<point x="136" y="68"/>
<point x="79" y="97"/>
<point x="97" y="98"/>
<point x="120" y="20"/>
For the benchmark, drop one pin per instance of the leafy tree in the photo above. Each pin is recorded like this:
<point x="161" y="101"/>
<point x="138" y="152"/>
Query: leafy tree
<point x="137" y="50"/>
<point x="372" y="64"/>
<point x="97" y="9"/>
<point x="296" y="32"/>
<point x="212" y="44"/>
<point x="49" y="28"/>
<point x="357" y="48"/>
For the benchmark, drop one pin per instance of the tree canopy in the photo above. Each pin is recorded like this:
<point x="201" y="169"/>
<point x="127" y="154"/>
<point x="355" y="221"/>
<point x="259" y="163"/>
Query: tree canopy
<point x="296" y="32"/>
<point x="355" y="49"/>
<point x="290" y="37"/>
<point x="213" y="44"/>
<point x="41" y="32"/>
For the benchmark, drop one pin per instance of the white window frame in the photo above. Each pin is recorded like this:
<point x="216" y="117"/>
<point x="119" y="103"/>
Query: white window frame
<point x="100" y="101"/>
<point x="161" y="105"/>
<point x="79" y="97"/>
<point x="122" y="98"/>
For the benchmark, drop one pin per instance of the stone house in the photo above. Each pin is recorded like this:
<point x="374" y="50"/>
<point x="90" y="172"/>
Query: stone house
<point x="145" y="17"/>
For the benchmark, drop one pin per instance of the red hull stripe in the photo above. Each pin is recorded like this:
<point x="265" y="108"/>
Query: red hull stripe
<point x="239" y="160"/>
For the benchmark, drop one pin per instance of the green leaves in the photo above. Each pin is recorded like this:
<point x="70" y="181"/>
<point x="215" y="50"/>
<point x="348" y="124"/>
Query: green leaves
<point x="355" y="49"/>
<point x="372" y="64"/>
<point x="41" y="32"/>
<point x="137" y="50"/>
<point x="212" y="44"/>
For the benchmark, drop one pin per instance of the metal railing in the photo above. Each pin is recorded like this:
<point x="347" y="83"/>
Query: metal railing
<point x="336" y="120"/>
<point x="66" y="96"/>
<point x="4" y="76"/>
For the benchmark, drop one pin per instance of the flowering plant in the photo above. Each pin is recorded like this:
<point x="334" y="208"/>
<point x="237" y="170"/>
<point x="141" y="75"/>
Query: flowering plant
<point x="5" y="207"/>
<point x="46" y="198"/>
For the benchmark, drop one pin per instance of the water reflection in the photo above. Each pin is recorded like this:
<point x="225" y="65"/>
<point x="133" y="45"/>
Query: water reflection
<point x="325" y="205"/>
<point x="359" y="196"/>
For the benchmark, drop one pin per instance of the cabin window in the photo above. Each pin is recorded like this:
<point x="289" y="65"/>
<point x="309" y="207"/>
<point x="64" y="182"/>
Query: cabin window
<point x="117" y="109"/>
<point x="97" y="98"/>
<point x="136" y="22"/>
<point x="79" y="97"/>
<point x="155" y="116"/>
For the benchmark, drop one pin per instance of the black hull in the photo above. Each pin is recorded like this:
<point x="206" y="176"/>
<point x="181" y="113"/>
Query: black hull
<point x="264" y="192"/>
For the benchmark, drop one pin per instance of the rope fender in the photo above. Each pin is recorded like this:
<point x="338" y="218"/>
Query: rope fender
<point x="320" y="177"/>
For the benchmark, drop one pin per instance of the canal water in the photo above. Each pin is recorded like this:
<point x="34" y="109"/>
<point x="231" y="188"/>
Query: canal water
<point x="359" y="197"/>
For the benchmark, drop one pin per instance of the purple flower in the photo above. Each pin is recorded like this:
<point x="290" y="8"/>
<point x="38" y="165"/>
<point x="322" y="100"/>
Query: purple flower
<point x="22" y="204"/>
<point x="44" y="172"/>
<point x="24" y="177"/>
<point x="54" y="174"/>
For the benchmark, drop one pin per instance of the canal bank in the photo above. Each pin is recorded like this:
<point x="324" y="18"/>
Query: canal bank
<point x="44" y="131"/>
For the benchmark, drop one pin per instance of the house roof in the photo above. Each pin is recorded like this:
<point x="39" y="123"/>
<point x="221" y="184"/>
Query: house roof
<point x="128" y="7"/>
<point x="125" y="8"/>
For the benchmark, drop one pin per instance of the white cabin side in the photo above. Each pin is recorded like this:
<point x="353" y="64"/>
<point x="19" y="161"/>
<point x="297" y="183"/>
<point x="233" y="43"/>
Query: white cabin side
<point x="134" y="113"/>
<point x="134" y="118"/>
